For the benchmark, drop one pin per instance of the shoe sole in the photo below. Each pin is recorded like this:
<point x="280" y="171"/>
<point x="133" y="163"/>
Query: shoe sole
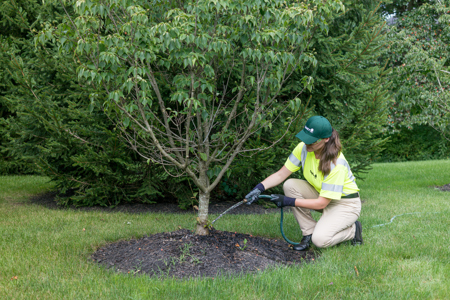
<point x="303" y="249"/>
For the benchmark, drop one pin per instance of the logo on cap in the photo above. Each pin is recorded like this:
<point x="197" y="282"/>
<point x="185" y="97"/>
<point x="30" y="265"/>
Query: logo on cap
<point x="309" y="129"/>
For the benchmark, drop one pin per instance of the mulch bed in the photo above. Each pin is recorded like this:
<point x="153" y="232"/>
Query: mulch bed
<point x="182" y="254"/>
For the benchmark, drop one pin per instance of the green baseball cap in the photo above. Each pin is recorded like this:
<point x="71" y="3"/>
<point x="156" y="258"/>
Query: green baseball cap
<point x="316" y="127"/>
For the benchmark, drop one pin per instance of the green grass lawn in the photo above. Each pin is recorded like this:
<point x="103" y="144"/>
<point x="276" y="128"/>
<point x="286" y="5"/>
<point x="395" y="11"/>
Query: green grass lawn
<point x="49" y="250"/>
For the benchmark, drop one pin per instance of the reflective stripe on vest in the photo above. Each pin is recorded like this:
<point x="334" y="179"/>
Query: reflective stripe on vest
<point x="303" y="156"/>
<point x="294" y="160"/>
<point x="332" y="187"/>
<point x="343" y="162"/>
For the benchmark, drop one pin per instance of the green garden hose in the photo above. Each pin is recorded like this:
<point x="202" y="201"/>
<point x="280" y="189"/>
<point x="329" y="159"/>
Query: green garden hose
<point x="379" y="225"/>
<point x="281" y="221"/>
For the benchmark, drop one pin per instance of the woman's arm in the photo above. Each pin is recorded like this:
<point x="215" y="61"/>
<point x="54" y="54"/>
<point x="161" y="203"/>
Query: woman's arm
<point x="276" y="178"/>
<point x="319" y="203"/>
<point x="280" y="176"/>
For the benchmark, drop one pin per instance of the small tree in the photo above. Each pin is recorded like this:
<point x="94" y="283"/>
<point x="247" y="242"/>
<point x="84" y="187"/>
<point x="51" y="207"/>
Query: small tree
<point x="189" y="82"/>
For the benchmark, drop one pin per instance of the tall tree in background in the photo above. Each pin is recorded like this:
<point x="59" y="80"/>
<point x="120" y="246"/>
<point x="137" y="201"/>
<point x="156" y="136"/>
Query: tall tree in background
<point x="419" y="55"/>
<point x="351" y="86"/>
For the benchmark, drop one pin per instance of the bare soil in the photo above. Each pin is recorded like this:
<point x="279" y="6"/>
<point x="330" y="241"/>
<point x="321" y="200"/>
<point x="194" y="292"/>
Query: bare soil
<point x="182" y="254"/>
<point x="445" y="188"/>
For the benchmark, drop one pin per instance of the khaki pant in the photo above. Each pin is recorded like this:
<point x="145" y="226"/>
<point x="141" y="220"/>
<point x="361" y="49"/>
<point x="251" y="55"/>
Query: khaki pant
<point x="337" y="223"/>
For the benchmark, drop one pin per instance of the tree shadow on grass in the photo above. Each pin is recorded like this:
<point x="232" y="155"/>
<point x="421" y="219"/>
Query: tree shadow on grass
<point x="49" y="200"/>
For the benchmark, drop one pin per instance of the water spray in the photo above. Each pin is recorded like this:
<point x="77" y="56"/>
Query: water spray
<point x="232" y="207"/>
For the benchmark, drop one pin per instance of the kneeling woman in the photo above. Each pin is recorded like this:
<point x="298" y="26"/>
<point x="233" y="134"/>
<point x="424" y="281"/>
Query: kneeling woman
<point x="329" y="188"/>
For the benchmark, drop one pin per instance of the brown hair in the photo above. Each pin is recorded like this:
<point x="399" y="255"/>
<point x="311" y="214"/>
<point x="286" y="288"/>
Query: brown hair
<point x="330" y="153"/>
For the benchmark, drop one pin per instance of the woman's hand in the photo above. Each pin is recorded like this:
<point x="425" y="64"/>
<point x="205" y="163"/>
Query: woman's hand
<point x="282" y="200"/>
<point x="271" y="181"/>
<point x="317" y="204"/>
<point x="254" y="194"/>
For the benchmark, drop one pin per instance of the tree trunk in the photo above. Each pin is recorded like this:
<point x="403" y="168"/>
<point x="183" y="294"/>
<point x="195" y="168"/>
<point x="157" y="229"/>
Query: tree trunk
<point x="202" y="220"/>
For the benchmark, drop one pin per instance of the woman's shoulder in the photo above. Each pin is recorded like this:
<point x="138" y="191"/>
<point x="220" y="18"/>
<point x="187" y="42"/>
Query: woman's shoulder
<point x="298" y="149"/>
<point x="299" y="146"/>
<point x="341" y="160"/>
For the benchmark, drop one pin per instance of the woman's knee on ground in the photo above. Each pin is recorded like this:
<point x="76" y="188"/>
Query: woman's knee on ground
<point x="321" y="241"/>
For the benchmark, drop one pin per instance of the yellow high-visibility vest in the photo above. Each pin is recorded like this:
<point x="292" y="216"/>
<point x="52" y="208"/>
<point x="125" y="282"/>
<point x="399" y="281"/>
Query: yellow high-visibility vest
<point x="338" y="183"/>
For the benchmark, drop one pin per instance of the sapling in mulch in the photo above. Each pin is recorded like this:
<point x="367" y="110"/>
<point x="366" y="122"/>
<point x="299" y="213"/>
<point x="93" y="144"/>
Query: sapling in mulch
<point x="188" y="83"/>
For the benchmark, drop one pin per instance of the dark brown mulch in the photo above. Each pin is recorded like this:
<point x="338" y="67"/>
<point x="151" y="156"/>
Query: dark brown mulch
<point x="445" y="188"/>
<point x="182" y="254"/>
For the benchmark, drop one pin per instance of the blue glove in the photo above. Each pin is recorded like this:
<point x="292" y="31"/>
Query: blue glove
<point x="282" y="200"/>
<point x="254" y="194"/>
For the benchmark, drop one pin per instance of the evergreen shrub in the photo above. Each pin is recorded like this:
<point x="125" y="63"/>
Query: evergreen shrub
<point x="422" y="142"/>
<point x="49" y="126"/>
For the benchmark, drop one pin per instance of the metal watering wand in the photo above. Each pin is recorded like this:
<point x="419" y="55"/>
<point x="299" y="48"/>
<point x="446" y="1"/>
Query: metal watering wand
<point x="260" y="197"/>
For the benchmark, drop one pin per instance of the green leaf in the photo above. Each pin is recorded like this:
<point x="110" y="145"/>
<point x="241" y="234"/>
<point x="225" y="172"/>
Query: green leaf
<point x="203" y="156"/>
<point x="126" y="122"/>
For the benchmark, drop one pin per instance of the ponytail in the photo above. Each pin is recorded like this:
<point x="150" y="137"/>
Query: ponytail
<point x="330" y="153"/>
